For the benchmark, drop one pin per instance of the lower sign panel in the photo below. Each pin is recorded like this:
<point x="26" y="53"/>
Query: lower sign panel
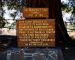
<point x="36" y="33"/>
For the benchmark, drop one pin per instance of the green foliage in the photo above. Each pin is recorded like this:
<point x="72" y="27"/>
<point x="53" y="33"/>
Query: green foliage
<point x="2" y="22"/>
<point x="11" y="5"/>
<point x="66" y="8"/>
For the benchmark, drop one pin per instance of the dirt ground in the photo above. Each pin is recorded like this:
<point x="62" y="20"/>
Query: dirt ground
<point x="6" y="31"/>
<point x="72" y="34"/>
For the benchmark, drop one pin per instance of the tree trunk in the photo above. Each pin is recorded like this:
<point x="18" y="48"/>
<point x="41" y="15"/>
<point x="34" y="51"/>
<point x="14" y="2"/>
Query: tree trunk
<point x="56" y="13"/>
<point x="36" y="3"/>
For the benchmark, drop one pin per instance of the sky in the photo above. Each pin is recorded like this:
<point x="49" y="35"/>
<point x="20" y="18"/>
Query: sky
<point x="66" y="16"/>
<point x="65" y="1"/>
<point x="8" y="12"/>
<point x="8" y="16"/>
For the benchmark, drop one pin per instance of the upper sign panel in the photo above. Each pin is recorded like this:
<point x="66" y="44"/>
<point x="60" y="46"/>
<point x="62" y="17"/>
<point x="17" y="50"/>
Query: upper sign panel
<point x="36" y="12"/>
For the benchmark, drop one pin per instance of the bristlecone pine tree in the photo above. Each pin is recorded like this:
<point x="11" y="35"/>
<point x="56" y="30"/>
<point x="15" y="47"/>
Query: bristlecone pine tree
<point x="54" y="13"/>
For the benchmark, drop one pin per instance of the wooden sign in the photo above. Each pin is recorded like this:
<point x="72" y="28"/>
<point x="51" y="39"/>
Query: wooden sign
<point x="36" y="33"/>
<point x="36" y="12"/>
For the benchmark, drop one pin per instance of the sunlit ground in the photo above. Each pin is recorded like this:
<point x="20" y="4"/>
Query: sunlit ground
<point x="6" y="31"/>
<point x="72" y="34"/>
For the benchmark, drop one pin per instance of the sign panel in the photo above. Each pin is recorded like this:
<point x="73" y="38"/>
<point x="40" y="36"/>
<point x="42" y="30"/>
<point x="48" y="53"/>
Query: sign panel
<point x="36" y="33"/>
<point x="36" y="12"/>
